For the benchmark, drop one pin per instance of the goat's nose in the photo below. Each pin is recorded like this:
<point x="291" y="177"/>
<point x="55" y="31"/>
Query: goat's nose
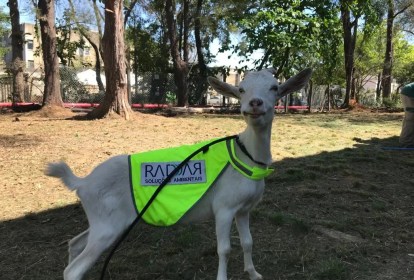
<point x="256" y="102"/>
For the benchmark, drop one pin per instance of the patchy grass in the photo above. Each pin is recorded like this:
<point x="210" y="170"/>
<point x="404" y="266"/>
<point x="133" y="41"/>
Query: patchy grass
<point x="337" y="207"/>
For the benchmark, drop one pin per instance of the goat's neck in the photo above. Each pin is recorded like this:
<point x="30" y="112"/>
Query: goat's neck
<point x="257" y="142"/>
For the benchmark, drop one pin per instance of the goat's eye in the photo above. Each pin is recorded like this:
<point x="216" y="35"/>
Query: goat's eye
<point x="275" y="88"/>
<point x="241" y="90"/>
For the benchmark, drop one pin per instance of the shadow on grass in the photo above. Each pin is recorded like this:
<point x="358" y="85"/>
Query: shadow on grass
<point x="362" y="192"/>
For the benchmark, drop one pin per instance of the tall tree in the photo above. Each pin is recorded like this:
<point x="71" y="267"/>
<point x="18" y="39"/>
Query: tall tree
<point x="354" y="13"/>
<point x="202" y="67"/>
<point x="395" y="8"/>
<point x="180" y="65"/>
<point x="288" y="31"/>
<point x="350" y="28"/>
<point x="93" y="39"/>
<point x="116" y="96"/>
<point x="46" y="17"/>
<point x="17" y="64"/>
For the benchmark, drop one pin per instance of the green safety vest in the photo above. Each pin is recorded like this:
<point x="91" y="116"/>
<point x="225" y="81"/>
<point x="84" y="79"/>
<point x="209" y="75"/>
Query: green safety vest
<point x="149" y="169"/>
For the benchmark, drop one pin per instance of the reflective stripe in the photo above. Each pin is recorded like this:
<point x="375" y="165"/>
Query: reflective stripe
<point x="235" y="161"/>
<point x="254" y="173"/>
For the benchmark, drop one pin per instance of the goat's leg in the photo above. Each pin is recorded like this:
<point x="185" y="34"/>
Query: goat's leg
<point x="77" y="245"/>
<point x="246" y="241"/>
<point x="224" y="220"/>
<point x="98" y="242"/>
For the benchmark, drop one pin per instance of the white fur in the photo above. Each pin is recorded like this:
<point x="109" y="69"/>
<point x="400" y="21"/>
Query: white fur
<point x="106" y="197"/>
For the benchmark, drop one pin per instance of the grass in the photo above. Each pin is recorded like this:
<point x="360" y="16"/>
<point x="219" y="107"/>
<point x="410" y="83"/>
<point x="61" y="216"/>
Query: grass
<point x="330" y="172"/>
<point x="297" y="225"/>
<point x="331" y="269"/>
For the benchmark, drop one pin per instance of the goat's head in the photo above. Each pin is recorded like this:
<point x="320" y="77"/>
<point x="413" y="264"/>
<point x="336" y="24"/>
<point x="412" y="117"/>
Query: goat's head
<point x="259" y="92"/>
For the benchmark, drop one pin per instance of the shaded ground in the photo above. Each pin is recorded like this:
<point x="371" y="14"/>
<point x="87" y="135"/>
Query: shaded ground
<point x="337" y="207"/>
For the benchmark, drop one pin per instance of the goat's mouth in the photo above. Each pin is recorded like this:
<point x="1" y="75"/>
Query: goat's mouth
<point x="254" y="115"/>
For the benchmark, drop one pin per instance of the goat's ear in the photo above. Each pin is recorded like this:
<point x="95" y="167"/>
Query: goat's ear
<point x="224" y="88"/>
<point x="294" y="83"/>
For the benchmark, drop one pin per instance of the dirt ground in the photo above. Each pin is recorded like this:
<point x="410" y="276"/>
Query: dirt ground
<point x="338" y="206"/>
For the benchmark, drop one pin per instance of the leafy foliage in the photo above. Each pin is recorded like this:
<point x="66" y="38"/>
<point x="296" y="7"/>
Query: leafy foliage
<point x="4" y="29"/>
<point x="291" y="33"/>
<point x="148" y="52"/>
<point x="67" y="47"/>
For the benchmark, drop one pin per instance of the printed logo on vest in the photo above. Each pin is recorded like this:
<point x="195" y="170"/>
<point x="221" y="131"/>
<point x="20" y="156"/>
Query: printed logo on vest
<point x="154" y="173"/>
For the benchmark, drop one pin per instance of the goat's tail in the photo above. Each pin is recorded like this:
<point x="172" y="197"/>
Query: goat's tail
<point x="62" y="170"/>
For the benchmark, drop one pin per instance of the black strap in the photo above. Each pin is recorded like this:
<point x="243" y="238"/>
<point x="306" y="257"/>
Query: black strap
<point x="244" y="150"/>
<point x="203" y="149"/>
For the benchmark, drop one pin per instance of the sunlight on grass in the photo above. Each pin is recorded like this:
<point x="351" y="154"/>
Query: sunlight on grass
<point x="303" y="135"/>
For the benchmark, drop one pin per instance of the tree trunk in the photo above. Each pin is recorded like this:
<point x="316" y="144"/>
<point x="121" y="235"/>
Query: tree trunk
<point x="96" y="48"/>
<point x="328" y="88"/>
<point x="200" y="55"/>
<point x="310" y="95"/>
<point x="349" y="36"/>
<point x="180" y="66"/>
<point x="17" y="65"/>
<point x="51" y="94"/>
<point x="378" y="88"/>
<point x="354" y="86"/>
<point x="388" y="60"/>
<point x="186" y="22"/>
<point x="116" y="96"/>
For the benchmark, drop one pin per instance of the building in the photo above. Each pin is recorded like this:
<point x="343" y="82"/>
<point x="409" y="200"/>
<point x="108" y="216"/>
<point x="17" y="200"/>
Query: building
<point x="84" y="57"/>
<point x="233" y="77"/>
<point x="32" y="46"/>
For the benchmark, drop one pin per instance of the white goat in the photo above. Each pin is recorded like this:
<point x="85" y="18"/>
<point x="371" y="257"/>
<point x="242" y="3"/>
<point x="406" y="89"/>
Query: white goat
<point x="106" y="197"/>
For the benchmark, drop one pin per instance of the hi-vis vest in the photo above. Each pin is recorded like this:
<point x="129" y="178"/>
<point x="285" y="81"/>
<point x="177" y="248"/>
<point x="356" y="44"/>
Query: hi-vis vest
<point x="149" y="169"/>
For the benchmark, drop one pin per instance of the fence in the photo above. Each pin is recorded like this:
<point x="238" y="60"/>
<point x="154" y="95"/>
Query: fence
<point x="145" y="88"/>
<point x="6" y="84"/>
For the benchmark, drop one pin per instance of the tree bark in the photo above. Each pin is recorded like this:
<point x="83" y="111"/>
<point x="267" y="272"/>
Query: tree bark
<point x="199" y="47"/>
<point x="388" y="60"/>
<point x="310" y="95"/>
<point x="17" y="65"/>
<point x="51" y="95"/>
<point x="180" y="66"/>
<point x="186" y="23"/>
<point x="349" y="36"/>
<point x="378" y="87"/>
<point x="116" y="96"/>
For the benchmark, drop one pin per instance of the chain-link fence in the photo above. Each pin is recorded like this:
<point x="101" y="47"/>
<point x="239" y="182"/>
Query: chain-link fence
<point x="6" y="84"/>
<point x="80" y="86"/>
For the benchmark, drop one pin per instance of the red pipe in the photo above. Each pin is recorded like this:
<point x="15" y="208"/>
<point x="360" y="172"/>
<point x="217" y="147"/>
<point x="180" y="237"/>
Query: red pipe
<point x="146" y="106"/>
<point x="293" y="107"/>
<point x="9" y="104"/>
<point x="82" y="105"/>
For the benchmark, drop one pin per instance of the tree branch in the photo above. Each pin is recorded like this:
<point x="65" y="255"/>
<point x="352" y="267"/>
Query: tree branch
<point x="129" y="10"/>
<point x="402" y="10"/>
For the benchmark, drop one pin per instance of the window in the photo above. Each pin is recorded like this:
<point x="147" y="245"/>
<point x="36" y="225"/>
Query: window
<point x="30" y="44"/>
<point x="30" y="64"/>
<point x="84" y="52"/>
